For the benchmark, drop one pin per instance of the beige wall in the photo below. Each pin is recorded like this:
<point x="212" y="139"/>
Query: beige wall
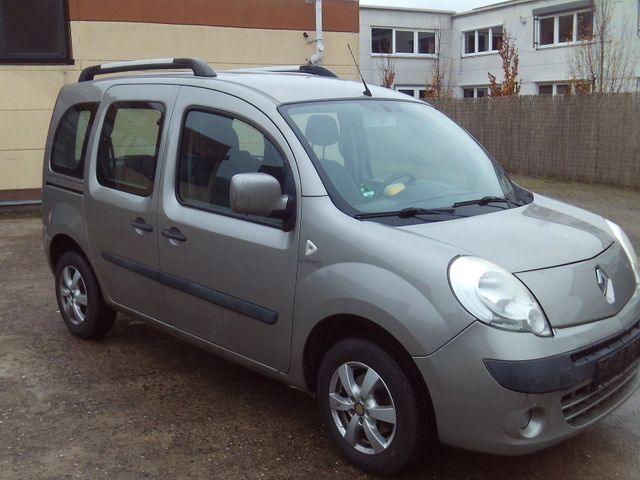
<point x="28" y="93"/>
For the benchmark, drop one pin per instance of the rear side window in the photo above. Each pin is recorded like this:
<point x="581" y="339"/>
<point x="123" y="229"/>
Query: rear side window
<point x="71" y="138"/>
<point x="129" y="145"/>
<point x="213" y="149"/>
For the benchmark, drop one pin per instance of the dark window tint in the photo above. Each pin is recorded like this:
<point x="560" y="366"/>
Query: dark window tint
<point x="381" y="40"/>
<point x="546" y="30"/>
<point x="34" y="31"/>
<point x="565" y="28"/>
<point x="404" y="42"/>
<point x="129" y="144"/>
<point x="545" y="89"/>
<point x="482" y="92"/>
<point x="470" y="42"/>
<point x="563" y="89"/>
<point x="585" y="25"/>
<point x="426" y="42"/>
<point x="483" y="40"/>
<point x="213" y="149"/>
<point x="70" y="140"/>
<point x="407" y="91"/>
<point x="467" y="92"/>
<point x="496" y="33"/>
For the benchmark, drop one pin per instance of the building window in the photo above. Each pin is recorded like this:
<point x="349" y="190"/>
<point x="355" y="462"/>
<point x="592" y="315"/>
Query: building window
<point x="554" y="89"/>
<point x="34" y="31"/>
<point x="381" y="40"/>
<point x="402" y="42"/>
<point x="483" y="40"/>
<point x="564" y="28"/>
<point x="412" y="91"/>
<point x="475" y="92"/>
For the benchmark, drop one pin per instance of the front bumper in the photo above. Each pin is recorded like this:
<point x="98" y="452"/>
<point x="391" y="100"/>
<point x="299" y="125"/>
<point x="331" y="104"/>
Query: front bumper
<point x="513" y="393"/>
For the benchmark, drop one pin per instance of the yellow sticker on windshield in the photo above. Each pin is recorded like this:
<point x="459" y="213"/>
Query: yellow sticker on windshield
<point x="394" y="189"/>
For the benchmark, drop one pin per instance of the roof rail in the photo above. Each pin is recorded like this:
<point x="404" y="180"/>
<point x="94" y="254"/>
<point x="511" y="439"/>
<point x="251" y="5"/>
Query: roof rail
<point x="197" y="66"/>
<point x="309" y="69"/>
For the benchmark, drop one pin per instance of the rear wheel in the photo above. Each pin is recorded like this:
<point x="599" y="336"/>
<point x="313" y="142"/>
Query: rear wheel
<point x="370" y="406"/>
<point x="79" y="298"/>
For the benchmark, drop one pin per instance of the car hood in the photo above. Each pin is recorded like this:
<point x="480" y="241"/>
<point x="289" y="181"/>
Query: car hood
<point x="543" y="234"/>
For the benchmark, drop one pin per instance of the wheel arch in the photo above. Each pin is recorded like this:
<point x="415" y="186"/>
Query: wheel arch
<point x="60" y="244"/>
<point x="341" y="326"/>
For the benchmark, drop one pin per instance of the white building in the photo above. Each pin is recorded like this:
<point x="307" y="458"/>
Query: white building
<point x="544" y="32"/>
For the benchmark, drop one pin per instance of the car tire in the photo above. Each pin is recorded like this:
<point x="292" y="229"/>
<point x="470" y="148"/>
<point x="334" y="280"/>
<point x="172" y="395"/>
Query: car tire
<point x="79" y="297"/>
<point x="360" y="416"/>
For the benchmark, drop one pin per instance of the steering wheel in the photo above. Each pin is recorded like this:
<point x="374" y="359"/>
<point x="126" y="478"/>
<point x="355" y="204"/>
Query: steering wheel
<point x="411" y="178"/>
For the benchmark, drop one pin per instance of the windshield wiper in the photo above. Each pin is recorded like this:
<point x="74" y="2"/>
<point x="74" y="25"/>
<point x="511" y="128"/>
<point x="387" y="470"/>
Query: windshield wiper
<point x="486" y="201"/>
<point x="408" y="213"/>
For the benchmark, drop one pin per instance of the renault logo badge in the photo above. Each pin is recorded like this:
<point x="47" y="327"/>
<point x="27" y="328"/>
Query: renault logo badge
<point x="605" y="284"/>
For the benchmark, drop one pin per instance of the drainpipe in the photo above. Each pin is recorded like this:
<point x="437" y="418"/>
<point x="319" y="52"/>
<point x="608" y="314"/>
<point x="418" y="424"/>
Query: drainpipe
<point x="318" y="56"/>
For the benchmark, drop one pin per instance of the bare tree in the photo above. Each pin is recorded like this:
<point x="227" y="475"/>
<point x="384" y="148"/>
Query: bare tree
<point x="437" y="86"/>
<point x="387" y="71"/>
<point x="510" y="63"/>
<point x="605" y="60"/>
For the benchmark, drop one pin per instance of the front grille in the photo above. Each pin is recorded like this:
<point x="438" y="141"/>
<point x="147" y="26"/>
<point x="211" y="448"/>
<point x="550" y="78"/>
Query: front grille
<point x="589" y="402"/>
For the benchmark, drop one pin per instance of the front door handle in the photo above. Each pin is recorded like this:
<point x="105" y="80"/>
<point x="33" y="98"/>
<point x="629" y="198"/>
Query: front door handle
<point x="140" y="224"/>
<point x="174" y="234"/>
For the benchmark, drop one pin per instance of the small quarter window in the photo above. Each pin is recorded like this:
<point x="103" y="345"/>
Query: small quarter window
<point x="129" y="145"/>
<point x="213" y="149"/>
<point x="70" y="140"/>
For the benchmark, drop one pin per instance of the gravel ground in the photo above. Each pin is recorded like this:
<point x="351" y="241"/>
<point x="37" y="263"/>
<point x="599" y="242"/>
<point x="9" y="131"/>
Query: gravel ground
<point x="141" y="404"/>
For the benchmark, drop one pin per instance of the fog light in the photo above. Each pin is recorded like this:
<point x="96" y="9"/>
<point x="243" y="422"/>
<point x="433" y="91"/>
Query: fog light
<point x="532" y="422"/>
<point x="525" y="419"/>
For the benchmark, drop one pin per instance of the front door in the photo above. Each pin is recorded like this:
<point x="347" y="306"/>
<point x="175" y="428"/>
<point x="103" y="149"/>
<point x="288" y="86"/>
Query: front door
<point x="121" y="201"/>
<point x="229" y="279"/>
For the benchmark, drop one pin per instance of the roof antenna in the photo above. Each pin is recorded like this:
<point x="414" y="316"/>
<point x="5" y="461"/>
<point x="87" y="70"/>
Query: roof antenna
<point x="367" y="92"/>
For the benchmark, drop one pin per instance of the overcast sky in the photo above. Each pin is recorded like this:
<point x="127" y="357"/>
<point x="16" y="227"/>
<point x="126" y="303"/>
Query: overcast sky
<point x="453" y="5"/>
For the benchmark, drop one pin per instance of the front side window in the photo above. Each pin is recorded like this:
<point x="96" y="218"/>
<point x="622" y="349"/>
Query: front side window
<point x="394" y="155"/>
<point x="34" y="31"/>
<point x="129" y="146"/>
<point x="70" y="140"/>
<point x="213" y="149"/>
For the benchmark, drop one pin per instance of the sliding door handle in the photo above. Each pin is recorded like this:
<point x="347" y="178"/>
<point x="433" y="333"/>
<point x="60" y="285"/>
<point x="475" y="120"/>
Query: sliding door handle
<point x="174" y="234"/>
<point x="140" y="224"/>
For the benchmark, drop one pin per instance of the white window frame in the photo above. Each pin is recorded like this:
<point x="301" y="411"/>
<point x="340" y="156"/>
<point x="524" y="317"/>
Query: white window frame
<point x="556" y="28"/>
<point x="491" y="51"/>
<point x="416" y="89"/>
<point x="415" y="53"/>
<point x="554" y="86"/>
<point x="475" y="89"/>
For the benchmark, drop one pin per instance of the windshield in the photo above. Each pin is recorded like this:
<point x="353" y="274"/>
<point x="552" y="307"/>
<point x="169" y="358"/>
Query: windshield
<point x="377" y="156"/>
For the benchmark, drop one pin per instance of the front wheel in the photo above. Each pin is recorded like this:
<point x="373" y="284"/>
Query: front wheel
<point x="370" y="406"/>
<point x="80" y="299"/>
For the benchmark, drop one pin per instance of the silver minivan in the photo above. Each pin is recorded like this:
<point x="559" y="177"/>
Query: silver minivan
<point x="359" y="246"/>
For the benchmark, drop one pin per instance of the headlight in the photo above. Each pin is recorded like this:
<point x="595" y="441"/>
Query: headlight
<point x="496" y="297"/>
<point x="621" y="237"/>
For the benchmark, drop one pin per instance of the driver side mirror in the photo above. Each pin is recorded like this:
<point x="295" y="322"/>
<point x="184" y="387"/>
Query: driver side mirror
<point x="257" y="194"/>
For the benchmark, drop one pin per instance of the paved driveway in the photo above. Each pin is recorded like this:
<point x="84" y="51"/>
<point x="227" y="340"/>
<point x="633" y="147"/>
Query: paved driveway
<point x="141" y="404"/>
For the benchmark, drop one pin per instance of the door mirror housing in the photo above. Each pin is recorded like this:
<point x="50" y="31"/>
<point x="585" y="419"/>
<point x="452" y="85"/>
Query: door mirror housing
<point x="257" y="194"/>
